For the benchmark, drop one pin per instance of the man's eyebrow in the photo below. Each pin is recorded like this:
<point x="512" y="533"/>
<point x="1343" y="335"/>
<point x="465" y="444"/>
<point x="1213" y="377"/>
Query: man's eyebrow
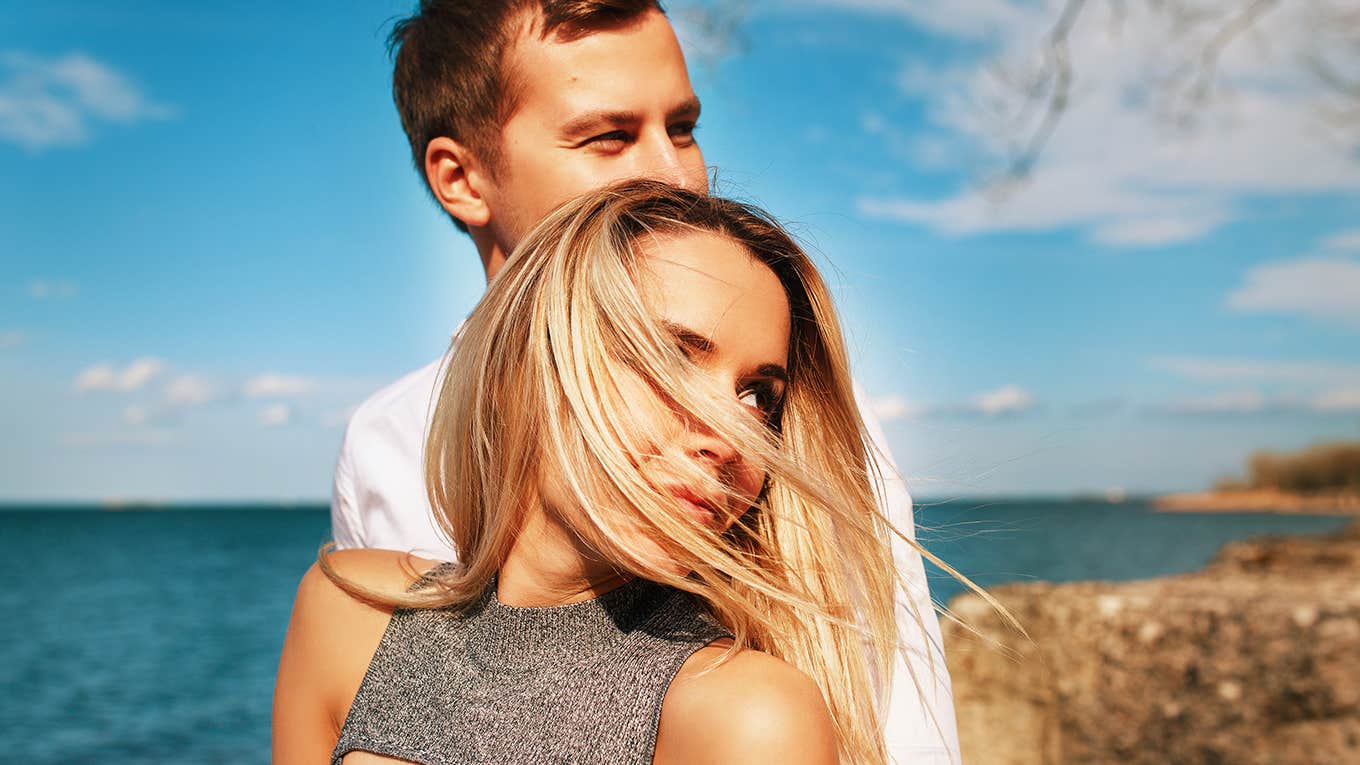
<point x="617" y="118"/>
<point x="689" y="109"/>
<point x="689" y="337"/>
<point x="596" y="119"/>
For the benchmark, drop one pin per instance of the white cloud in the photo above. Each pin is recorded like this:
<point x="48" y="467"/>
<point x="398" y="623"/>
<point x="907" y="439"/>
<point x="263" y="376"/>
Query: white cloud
<point x="278" y="386"/>
<point x="97" y="377"/>
<point x="895" y="407"/>
<point x="1116" y="167"/>
<point x="1010" y="399"/>
<point x="1210" y="369"/>
<point x="1230" y="402"/>
<point x="276" y="415"/>
<point x="139" y="373"/>
<point x="41" y="289"/>
<point x="1098" y="407"/>
<point x="338" y="418"/>
<point x="969" y="19"/>
<point x="136" y="416"/>
<point x="1006" y="400"/>
<point x="1321" y="387"/>
<point x="107" y="377"/>
<point x="189" y="390"/>
<point x="48" y="102"/>
<point x="1342" y="400"/>
<point x="139" y="437"/>
<point x="12" y="338"/>
<point x="708" y="32"/>
<point x="1343" y="240"/>
<point x="1153" y="231"/>
<point x="1321" y="288"/>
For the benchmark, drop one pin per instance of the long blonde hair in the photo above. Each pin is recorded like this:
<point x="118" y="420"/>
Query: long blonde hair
<point x="531" y="390"/>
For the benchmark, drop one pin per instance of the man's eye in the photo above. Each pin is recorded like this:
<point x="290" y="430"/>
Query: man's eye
<point x="614" y="139"/>
<point x="683" y="132"/>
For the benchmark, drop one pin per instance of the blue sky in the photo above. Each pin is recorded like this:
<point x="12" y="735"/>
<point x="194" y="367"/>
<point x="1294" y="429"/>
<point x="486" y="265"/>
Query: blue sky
<point x="212" y="244"/>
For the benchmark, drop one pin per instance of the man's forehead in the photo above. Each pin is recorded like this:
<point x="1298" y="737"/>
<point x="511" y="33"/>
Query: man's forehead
<point x="600" y="69"/>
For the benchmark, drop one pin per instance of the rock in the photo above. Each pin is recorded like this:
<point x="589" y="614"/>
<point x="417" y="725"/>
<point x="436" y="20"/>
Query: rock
<point x="1254" y="660"/>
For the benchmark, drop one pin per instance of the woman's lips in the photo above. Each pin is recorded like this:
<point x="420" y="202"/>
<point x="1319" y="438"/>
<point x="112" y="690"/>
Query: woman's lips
<point x="702" y="510"/>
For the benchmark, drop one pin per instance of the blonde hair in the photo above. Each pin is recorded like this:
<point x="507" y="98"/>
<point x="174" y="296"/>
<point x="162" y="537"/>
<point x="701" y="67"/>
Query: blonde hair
<point x="532" y="389"/>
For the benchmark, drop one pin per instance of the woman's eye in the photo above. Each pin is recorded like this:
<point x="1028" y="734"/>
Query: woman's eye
<point x="761" y="398"/>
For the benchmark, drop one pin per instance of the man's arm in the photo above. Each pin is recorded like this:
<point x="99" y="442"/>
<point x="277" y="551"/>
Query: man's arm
<point x="347" y="529"/>
<point x="920" y="725"/>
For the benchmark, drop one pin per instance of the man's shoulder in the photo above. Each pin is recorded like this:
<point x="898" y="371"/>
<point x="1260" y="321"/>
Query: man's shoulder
<point x="378" y="494"/>
<point x="407" y="398"/>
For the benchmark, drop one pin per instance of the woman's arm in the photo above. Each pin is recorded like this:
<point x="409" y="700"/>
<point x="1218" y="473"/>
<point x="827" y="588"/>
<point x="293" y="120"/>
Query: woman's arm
<point x="331" y="639"/>
<point x="754" y="709"/>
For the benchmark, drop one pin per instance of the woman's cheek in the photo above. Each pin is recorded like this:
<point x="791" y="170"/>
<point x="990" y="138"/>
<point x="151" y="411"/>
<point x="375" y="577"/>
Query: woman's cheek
<point x="750" y="480"/>
<point x="652" y="556"/>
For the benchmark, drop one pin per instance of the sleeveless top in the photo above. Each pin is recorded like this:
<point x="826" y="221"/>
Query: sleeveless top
<point x="499" y="685"/>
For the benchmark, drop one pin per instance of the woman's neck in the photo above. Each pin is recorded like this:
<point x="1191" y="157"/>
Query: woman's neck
<point x="549" y="566"/>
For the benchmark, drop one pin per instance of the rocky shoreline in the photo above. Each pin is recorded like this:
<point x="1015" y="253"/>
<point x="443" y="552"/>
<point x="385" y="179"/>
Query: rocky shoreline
<point x="1253" y="660"/>
<point x="1260" y="501"/>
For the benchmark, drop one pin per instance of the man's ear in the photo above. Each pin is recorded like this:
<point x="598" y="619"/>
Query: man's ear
<point x="458" y="181"/>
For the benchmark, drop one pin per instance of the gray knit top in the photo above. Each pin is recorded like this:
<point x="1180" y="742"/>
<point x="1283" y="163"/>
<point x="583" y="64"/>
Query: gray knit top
<point x="499" y="685"/>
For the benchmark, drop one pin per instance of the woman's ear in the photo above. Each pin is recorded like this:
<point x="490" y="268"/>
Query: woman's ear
<point x="458" y="180"/>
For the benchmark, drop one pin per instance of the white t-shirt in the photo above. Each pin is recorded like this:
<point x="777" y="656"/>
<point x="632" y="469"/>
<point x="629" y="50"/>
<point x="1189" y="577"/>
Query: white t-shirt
<point x="379" y="501"/>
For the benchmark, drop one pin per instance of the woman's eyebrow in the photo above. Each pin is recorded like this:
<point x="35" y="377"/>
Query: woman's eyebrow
<point x="689" y="337"/>
<point x="702" y="344"/>
<point x="773" y="370"/>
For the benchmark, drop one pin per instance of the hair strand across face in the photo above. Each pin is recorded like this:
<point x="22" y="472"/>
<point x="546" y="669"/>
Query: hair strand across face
<point x="532" y="396"/>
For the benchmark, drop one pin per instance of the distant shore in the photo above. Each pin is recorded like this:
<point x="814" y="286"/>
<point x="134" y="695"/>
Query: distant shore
<point x="1260" y="501"/>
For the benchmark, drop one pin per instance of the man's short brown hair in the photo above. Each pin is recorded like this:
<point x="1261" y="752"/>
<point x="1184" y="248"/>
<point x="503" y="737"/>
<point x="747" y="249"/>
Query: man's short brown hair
<point x="450" y="77"/>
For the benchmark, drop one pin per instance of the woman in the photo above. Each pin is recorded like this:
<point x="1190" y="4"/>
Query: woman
<point x="647" y="454"/>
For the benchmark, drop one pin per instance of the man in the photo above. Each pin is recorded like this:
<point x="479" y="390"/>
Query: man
<point x="512" y="108"/>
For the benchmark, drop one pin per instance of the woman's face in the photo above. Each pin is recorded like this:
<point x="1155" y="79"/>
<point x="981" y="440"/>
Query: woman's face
<point x="728" y="313"/>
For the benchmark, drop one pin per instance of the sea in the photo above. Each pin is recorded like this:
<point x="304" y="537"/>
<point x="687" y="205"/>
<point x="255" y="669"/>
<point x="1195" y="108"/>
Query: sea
<point x="153" y="635"/>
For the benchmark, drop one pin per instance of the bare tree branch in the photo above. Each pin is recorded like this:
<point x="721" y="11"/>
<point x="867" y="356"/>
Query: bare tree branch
<point x="1210" y="30"/>
<point x="1326" y="66"/>
<point x="1052" y="86"/>
<point x="1201" y="72"/>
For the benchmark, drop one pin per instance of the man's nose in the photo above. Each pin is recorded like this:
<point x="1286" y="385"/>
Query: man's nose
<point x="664" y="161"/>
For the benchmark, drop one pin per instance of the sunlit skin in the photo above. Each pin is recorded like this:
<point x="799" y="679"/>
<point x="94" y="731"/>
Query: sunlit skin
<point x="731" y="314"/>
<point x="612" y="105"/>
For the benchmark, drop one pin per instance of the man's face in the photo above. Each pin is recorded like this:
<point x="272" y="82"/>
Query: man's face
<point x="608" y="106"/>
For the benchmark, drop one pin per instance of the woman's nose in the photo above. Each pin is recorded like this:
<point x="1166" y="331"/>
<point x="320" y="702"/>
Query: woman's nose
<point x="705" y="445"/>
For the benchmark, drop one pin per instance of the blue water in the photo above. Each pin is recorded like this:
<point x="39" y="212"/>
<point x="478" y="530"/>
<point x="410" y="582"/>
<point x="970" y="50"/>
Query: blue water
<point x="153" y="636"/>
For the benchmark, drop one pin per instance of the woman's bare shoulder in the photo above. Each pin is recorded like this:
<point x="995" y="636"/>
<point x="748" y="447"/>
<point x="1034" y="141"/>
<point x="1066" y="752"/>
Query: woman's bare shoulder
<point x="386" y="572"/>
<point x="332" y="636"/>
<point x="751" y="708"/>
